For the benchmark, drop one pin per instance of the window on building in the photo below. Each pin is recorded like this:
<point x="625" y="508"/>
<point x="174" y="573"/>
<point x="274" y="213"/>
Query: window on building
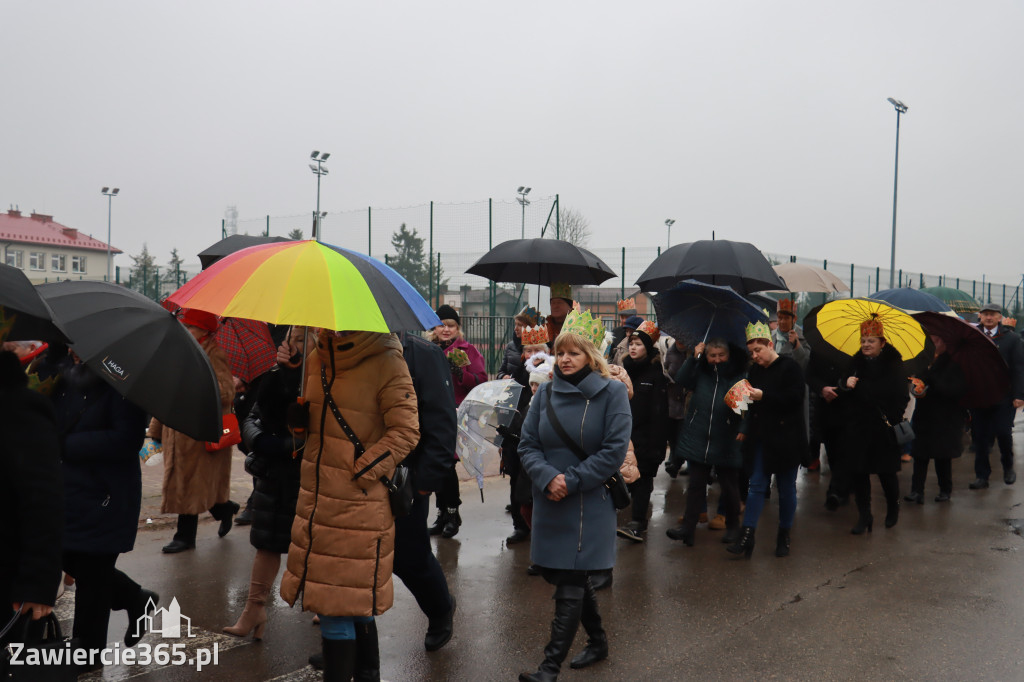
<point x="14" y="258"/>
<point x="59" y="262"/>
<point x="37" y="261"/>
<point x="78" y="265"/>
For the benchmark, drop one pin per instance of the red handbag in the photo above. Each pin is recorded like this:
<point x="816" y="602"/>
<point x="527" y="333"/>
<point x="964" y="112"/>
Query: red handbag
<point x="230" y="434"/>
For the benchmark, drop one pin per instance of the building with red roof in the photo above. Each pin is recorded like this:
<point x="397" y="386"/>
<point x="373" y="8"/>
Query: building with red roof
<point x="48" y="251"/>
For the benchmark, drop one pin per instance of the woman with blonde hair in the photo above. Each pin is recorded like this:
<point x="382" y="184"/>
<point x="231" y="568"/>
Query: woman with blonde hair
<point x="574" y="438"/>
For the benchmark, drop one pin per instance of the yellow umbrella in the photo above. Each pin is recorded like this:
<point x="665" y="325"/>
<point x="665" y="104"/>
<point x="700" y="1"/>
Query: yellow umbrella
<point x="837" y="324"/>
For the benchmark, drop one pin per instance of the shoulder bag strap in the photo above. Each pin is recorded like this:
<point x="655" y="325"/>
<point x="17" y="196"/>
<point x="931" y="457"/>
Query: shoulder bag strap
<point x="557" y="425"/>
<point x="337" y="415"/>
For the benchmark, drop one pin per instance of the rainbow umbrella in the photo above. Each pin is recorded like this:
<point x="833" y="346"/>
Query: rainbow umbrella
<point x="308" y="283"/>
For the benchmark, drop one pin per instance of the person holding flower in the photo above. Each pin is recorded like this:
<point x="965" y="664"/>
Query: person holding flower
<point x="468" y="370"/>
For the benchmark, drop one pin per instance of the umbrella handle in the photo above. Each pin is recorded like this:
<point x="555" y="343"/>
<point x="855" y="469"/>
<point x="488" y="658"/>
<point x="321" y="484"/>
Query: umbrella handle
<point x="708" y="330"/>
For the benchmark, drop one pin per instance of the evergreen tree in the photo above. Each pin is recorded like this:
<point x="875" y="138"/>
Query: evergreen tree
<point x="410" y="261"/>
<point x="144" y="276"/>
<point x="173" y="276"/>
<point x="295" y="235"/>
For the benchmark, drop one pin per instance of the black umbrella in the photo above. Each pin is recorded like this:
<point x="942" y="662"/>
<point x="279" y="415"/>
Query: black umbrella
<point x="541" y="261"/>
<point x="142" y="351"/>
<point x="229" y="245"/>
<point x="732" y="264"/>
<point x="693" y="312"/>
<point x="32" y="318"/>
<point x="988" y="377"/>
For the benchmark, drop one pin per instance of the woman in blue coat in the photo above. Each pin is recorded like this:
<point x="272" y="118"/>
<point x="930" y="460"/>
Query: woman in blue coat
<point x="101" y="434"/>
<point x="573" y="515"/>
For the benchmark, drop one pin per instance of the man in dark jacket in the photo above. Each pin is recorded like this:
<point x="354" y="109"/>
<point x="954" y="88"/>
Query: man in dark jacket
<point x="823" y="388"/>
<point x="31" y="498"/>
<point x="996" y="423"/>
<point x="429" y="464"/>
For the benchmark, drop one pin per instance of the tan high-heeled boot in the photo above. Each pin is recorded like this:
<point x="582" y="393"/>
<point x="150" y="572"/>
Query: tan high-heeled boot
<point x="254" y="616"/>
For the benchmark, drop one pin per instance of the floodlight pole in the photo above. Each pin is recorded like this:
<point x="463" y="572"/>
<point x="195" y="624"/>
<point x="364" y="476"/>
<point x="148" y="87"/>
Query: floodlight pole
<point x="319" y="158"/>
<point x="524" y="202"/>
<point x="109" y="194"/>
<point x="901" y="108"/>
<point x="669" y="223"/>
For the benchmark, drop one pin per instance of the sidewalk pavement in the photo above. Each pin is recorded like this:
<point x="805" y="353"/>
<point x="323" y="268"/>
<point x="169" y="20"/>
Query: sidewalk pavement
<point x="152" y="492"/>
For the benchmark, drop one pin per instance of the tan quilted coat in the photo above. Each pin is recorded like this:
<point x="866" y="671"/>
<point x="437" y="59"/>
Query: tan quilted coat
<point x="343" y="535"/>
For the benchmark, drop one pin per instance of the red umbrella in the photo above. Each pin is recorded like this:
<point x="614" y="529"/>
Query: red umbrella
<point x="248" y="345"/>
<point x="988" y="377"/>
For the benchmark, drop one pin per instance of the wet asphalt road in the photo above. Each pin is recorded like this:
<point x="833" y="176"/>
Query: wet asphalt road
<point x="938" y="597"/>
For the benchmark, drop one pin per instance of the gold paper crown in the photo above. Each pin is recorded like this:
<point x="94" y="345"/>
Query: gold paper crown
<point x="1010" y="321"/>
<point x="787" y="306"/>
<point x="650" y="329"/>
<point x="535" y="336"/>
<point x="872" y="327"/>
<point x="561" y="290"/>
<point x="759" y="330"/>
<point x="626" y="306"/>
<point x="583" y="324"/>
<point x="531" y="313"/>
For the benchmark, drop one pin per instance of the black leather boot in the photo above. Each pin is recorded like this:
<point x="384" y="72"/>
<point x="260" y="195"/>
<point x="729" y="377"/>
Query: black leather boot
<point x="367" y="668"/>
<point x="597" y="639"/>
<point x="731" y="535"/>
<point x="865" y="520"/>
<point x="745" y="544"/>
<point x="782" y="543"/>
<point x="568" y="607"/>
<point x="452" y="522"/>
<point x="339" y="659"/>
<point x="892" y="511"/>
<point x="439" y="522"/>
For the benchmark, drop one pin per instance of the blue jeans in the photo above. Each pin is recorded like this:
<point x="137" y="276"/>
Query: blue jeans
<point x="759" y="483"/>
<point x="341" y="627"/>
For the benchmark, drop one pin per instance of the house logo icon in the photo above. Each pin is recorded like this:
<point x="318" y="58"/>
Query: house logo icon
<point x="171" y="621"/>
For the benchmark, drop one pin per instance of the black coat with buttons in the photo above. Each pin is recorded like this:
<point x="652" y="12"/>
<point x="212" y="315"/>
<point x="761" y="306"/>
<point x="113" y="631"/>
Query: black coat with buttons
<point x="775" y="423"/>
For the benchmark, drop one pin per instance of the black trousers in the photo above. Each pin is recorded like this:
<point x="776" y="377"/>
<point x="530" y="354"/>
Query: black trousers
<point x="415" y="563"/>
<point x="188" y="524"/>
<point x="989" y="426"/>
<point x="640" y="492"/>
<point x="448" y="496"/>
<point x="943" y="470"/>
<point x="862" y="489"/>
<point x="697" y="494"/>
<point x="99" y="589"/>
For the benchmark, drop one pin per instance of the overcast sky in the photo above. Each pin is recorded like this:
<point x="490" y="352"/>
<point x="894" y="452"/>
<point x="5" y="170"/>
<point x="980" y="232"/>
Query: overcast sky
<point x="766" y="121"/>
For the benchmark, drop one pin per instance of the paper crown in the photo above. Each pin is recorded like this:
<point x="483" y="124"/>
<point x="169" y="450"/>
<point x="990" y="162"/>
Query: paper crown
<point x="626" y="306"/>
<point x="650" y="329"/>
<point x="759" y="330"/>
<point x="1010" y="321"/>
<point x="872" y="326"/>
<point x="787" y="306"/>
<point x="535" y="336"/>
<point x="561" y="290"/>
<point x="585" y="325"/>
<point x="532" y="313"/>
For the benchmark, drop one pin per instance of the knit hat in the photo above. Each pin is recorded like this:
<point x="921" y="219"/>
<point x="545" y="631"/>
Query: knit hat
<point x="446" y="312"/>
<point x="872" y="327"/>
<point x="199" y="318"/>
<point x="633" y="322"/>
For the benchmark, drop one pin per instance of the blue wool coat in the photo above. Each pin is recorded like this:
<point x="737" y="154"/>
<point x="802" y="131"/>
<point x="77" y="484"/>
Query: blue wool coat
<point x="577" y="532"/>
<point x="101" y="434"/>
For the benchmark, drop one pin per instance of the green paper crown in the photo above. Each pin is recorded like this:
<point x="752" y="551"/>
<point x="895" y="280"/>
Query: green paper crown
<point x="585" y="325"/>
<point x="759" y="330"/>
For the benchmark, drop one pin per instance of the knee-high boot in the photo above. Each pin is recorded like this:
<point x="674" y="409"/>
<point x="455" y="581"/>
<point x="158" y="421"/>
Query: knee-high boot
<point x="568" y="607"/>
<point x="597" y="638"/>
<point x="339" y="659"/>
<point x="367" y="653"/>
<point x="254" y="616"/>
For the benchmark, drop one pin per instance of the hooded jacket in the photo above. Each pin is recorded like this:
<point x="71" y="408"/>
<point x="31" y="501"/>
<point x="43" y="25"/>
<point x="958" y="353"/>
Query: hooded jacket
<point x="709" y="431"/>
<point x="343" y="536"/>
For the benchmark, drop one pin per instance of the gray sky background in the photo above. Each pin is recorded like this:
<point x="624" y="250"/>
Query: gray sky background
<point x="765" y="121"/>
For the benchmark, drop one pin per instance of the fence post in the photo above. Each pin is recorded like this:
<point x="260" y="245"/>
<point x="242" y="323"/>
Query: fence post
<point x="558" y="219"/>
<point x="901" y="278"/>
<point x="437" y="274"/>
<point x="851" y="282"/>
<point x="267" y="232"/>
<point x="1004" y="295"/>
<point x="878" y="273"/>
<point x="369" y="230"/>
<point x="430" y="267"/>
<point x="491" y="331"/>
<point x="223" y="229"/>
<point x="622" y="282"/>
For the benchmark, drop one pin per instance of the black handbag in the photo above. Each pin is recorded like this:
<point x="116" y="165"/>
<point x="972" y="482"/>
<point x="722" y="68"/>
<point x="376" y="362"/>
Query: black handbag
<point x="43" y="639"/>
<point x="615" y="484"/>
<point x="400" y="492"/>
<point x="903" y="431"/>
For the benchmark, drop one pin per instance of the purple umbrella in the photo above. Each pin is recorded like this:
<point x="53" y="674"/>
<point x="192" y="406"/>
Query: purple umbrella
<point x="988" y="377"/>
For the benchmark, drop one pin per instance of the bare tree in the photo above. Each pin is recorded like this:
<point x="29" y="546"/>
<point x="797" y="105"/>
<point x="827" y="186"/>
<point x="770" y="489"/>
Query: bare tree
<point x="573" y="227"/>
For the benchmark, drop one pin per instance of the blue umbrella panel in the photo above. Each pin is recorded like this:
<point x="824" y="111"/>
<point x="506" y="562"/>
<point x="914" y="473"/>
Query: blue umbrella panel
<point x="694" y="312"/>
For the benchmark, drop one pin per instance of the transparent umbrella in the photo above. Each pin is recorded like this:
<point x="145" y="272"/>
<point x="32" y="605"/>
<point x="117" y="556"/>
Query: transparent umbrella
<point x="487" y="407"/>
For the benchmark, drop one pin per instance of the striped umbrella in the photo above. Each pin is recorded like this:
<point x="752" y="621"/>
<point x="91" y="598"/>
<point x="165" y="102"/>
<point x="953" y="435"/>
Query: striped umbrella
<point x="308" y="283"/>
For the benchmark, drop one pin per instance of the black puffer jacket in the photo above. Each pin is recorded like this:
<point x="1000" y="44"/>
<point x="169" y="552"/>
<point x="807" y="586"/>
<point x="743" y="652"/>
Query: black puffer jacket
<point x="270" y="461"/>
<point x="776" y="422"/>
<point x="101" y="434"/>
<point x="709" y="433"/>
<point x="512" y="366"/>
<point x="867" y="443"/>
<point x="650" y="411"/>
